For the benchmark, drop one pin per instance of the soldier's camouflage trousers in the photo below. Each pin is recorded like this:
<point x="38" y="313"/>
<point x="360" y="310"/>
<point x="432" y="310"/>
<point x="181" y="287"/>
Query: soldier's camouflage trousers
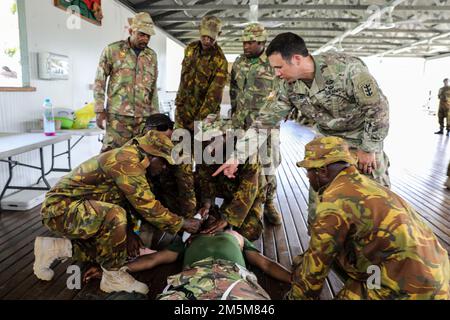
<point x="270" y="166"/>
<point x="120" y="129"/>
<point x="443" y="114"/>
<point x="96" y="229"/>
<point x="211" y="279"/>
<point x="381" y="175"/>
<point x="252" y="227"/>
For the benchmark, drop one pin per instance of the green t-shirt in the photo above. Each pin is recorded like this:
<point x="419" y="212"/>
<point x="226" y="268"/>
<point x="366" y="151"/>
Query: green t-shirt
<point x="221" y="245"/>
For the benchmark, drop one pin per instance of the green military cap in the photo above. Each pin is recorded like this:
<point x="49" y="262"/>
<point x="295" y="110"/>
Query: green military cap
<point x="326" y="150"/>
<point x="157" y="144"/>
<point x="254" y="32"/>
<point x="142" y="22"/>
<point x="210" y="26"/>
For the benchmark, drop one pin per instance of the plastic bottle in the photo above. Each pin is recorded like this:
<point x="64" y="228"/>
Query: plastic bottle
<point x="49" y="119"/>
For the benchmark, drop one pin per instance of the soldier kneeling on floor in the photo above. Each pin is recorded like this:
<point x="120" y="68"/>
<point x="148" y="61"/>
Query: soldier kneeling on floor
<point x="361" y="226"/>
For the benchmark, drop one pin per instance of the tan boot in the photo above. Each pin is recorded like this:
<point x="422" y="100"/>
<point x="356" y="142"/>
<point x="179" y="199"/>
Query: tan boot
<point x="447" y="183"/>
<point x="271" y="213"/>
<point x="47" y="250"/>
<point x="121" y="280"/>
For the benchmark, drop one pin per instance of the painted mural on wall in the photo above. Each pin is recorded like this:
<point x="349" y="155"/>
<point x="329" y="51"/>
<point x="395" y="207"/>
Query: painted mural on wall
<point x="90" y="10"/>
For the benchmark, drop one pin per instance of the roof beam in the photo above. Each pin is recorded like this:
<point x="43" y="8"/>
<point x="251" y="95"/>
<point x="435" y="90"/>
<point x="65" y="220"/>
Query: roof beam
<point x="243" y="20"/>
<point x="284" y="29"/>
<point x="146" y="5"/>
<point x="310" y="36"/>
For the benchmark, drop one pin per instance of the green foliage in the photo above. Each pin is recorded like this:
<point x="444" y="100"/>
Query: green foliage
<point x="10" y="52"/>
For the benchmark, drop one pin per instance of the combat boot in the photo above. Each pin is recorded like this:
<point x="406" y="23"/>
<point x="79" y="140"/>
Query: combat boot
<point x="448" y="132"/>
<point x="121" y="280"/>
<point x="271" y="213"/>
<point x="439" y="132"/>
<point x="47" y="250"/>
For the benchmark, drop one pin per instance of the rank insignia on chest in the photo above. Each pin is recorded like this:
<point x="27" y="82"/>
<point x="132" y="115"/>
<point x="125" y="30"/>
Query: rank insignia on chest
<point x="122" y="54"/>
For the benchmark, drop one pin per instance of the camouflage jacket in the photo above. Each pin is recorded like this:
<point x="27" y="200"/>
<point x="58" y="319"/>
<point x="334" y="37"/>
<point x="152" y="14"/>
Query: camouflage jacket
<point x="132" y="87"/>
<point x="118" y="177"/>
<point x="360" y="224"/>
<point x="203" y="77"/>
<point x="444" y="98"/>
<point x="239" y="194"/>
<point x="175" y="186"/>
<point x="252" y="80"/>
<point x="344" y="100"/>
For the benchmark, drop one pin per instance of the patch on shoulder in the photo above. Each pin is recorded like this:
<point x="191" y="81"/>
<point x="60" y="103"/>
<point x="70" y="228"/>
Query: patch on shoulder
<point x="366" y="89"/>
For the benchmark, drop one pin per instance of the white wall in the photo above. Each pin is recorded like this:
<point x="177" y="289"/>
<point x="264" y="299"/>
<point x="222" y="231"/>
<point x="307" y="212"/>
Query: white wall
<point x="47" y="31"/>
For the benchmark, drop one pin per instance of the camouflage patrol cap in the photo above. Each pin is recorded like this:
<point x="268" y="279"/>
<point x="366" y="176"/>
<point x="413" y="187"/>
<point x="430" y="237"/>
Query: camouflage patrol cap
<point x="157" y="144"/>
<point x="210" y="26"/>
<point x="142" y="22"/>
<point x="254" y="32"/>
<point x="326" y="150"/>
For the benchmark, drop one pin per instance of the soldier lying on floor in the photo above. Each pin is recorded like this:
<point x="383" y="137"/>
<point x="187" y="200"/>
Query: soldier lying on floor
<point x="214" y="268"/>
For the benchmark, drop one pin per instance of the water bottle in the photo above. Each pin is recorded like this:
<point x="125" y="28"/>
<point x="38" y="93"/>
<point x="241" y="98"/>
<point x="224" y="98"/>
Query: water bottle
<point x="49" y="119"/>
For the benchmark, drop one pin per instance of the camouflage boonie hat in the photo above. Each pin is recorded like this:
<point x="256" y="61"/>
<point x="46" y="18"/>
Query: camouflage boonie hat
<point x="254" y="32"/>
<point x="326" y="150"/>
<point x="157" y="144"/>
<point x="210" y="26"/>
<point x="209" y="131"/>
<point x="142" y="22"/>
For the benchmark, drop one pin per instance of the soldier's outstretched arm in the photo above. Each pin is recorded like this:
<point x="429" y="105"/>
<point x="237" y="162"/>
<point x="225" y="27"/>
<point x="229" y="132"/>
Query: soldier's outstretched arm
<point x="268" y="266"/>
<point x="149" y="261"/>
<point x="129" y="176"/>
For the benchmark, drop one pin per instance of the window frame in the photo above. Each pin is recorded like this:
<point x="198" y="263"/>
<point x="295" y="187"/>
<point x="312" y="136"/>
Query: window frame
<point x="24" y="54"/>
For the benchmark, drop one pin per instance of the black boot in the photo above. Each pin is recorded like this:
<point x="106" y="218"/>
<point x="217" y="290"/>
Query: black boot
<point x="440" y="132"/>
<point x="448" y="132"/>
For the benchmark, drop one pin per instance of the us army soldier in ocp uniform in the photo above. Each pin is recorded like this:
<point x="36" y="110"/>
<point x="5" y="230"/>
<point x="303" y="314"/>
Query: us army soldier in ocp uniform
<point x="252" y="80"/>
<point x="132" y="70"/>
<point x="361" y="227"/>
<point x="337" y="92"/>
<point x="86" y="207"/>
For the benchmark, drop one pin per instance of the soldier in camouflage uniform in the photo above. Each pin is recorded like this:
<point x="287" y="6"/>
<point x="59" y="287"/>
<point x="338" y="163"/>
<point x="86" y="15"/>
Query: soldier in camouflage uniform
<point x="243" y="196"/>
<point x="87" y="208"/>
<point x="132" y="70"/>
<point x="337" y="92"/>
<point x="252" y="80"/>
<point x="362" y="226"/>
<point x="203" y="77"/>
<point x="214" y="268"/>
<point x="444" y="107"/>
<point x="174" y="187"/>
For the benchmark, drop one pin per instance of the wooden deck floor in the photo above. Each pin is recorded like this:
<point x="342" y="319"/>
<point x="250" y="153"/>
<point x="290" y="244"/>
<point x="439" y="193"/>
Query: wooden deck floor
<point x="418" y="179"/>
